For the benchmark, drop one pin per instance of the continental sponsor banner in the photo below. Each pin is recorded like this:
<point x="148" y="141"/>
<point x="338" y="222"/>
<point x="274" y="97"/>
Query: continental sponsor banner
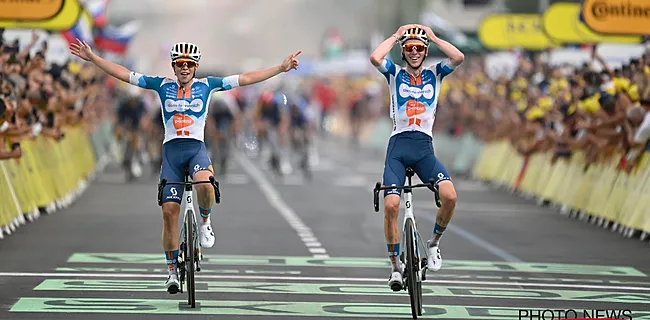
<point x="53" y="15"/>
<point x="509" y="31"/>
<point x="618" y="16"/>
<point x="562" y="23"/>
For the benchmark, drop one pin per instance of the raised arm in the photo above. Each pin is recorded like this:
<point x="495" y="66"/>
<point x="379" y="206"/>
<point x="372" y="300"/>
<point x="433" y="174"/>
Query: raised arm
<point x="83" y="51"/>
<point x="384" y="48"/>
<point x="252" y="77"/>
<point x="455" y="56"/>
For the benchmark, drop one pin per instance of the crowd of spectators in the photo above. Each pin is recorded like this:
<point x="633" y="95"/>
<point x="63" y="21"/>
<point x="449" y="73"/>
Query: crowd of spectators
<point x="595" y="109"/>
<point x="41" y="98"/>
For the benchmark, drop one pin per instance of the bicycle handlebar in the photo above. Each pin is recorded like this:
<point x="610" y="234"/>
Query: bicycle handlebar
<point x="431" y="185"/>
<point x="212" y="181"/>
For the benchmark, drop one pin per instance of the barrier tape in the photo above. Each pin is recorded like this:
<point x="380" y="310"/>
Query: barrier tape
<point x="49" y="175"/>
<point x="602" y="192"/>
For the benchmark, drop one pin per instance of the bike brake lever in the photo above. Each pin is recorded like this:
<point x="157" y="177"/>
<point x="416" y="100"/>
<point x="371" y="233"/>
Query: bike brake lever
<point x="436" y="191"/>
<point x="376" y="196"/>
<point x="161" y="186"/>
<point x="217" y="192"/>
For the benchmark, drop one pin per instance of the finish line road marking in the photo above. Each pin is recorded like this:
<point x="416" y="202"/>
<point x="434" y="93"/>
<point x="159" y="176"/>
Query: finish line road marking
<point x="291" y="278"/>
<point x="358" y="289"/>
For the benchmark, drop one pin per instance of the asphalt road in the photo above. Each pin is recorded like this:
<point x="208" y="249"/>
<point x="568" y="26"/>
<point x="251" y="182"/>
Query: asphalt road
<point x="293" y="249"/>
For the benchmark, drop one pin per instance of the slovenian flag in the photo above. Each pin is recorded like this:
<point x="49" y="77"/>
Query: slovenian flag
<point x="82" y="30"/>
<point x="116" y="39"/>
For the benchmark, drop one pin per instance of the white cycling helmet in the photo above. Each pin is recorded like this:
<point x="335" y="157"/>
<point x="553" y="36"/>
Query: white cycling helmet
<point x="415" y="33"/>
<point x="185" y="50"/>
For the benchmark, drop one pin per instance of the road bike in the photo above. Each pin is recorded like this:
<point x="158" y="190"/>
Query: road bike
<point x="411" y="242"/>
<point x="190" y="252"/>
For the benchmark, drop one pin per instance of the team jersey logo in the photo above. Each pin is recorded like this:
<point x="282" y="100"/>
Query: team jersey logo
<point x="195" y="105"/>
<point x="414" y="108"/>
<point x="415" y="92"/>
<point x="182" y="121"/>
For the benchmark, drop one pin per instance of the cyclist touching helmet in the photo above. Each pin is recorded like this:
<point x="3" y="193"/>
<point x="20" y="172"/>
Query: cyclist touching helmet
<point x="185" y="103"/>
<point x="414" y="95"/>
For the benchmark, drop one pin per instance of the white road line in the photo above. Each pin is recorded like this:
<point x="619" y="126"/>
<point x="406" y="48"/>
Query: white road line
<point x="325" y="279"/>
<point x="479" y="242"/>
<point x="274" y="198"/>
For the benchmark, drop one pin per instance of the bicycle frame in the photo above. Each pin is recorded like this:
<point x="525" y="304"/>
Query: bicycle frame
<point x="190" y="227"/>
<point x="411" y="253"/>
<point x="188" y="208"/>
<point x="408" y="210"/>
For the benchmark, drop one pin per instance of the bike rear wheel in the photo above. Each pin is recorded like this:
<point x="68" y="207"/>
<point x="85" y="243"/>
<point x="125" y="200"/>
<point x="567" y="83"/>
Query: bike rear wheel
<point x="412" y="267"/>
<point x="190" y="258"/>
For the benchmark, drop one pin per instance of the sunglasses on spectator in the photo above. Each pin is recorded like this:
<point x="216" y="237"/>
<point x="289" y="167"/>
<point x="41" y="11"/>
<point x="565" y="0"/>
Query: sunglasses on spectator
<point x="180" y="63"/>
<point x="419" y="47"/>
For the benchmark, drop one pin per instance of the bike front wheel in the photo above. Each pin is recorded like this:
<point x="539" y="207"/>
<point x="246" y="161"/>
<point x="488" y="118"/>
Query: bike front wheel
<point x="412" y="268"/>
<point x="190" y="258"/>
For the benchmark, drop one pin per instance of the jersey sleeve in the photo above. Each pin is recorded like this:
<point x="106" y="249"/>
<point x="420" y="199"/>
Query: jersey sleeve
<point x="221" y="84"/>
<point x="387" y="68"/>
<point x="443" y="69"/>
<point x="145" y="82"/>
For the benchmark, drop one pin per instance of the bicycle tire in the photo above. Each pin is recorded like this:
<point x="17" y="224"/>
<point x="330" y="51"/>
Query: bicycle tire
<point x="191" y="257"/>
<point x="412" y="265"/>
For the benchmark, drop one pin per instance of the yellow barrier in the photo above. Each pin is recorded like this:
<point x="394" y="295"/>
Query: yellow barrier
<point x="47" y="174"/>
<point x="601" y="191"/>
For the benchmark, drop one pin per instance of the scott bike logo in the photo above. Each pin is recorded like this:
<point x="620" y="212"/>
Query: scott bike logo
<point x="618" y="16"/>
<point x="174" y="194"/>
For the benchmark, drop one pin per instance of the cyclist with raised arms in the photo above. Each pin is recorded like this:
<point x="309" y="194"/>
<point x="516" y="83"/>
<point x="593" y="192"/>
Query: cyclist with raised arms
<point x="185" y="102"/>
<point x="414" y="95"/>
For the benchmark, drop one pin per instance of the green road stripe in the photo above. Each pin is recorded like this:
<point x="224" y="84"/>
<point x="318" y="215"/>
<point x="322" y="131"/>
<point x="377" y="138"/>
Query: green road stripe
<point x="266" y="308"/>
<point x="345" y="289"/>
<point x="151" y="258"/>
<point x="438" y="276"/>
<point x="163" y="270"/>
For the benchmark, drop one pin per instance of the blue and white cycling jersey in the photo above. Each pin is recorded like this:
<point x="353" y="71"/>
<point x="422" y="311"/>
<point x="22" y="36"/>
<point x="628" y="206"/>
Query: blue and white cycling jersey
<point x="184" y="112"/>
<point x="414" y="100"/>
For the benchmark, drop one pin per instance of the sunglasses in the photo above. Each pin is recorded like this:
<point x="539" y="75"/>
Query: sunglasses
<point x="180" y="63"/>
<point x="419" y="47"/>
